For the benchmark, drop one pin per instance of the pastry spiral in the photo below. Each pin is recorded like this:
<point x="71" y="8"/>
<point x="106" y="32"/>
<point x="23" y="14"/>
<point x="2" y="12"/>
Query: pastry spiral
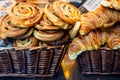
<point x="66" y="11"/>
<point x="63" y="40"/>
<point x="53" y="18"/>
<point x="26" y="42"/>
<point x="45" y="21"/>
<point x="46" y="27"/>
<point x="25" y="14"/>
<point x="100" y="18"/>
<point x="111" y="4"/>
<point x="27" y="34"/>
<point x="93" y="41"/>
<point x="7" y="29"/>
<point x="43" y="36"/>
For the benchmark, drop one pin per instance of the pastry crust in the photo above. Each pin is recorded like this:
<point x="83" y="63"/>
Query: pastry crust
<point x="66" y="12"/>
<point x="53" y="18"/>
<point x="25" y="14"/>
<point x="43" y="36"/>
<point x="94" y="40"/>
<point x="100" y="18"/>
<point x="7" y="29"/>
<point x="27" y="34"/>
<point x="63" y="40"/>
<point x="111" y="4"/>
<point x="26" y="42"/>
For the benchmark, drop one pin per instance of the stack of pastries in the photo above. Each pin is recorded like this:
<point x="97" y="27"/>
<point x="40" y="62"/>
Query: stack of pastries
<point x="99" y="28"/>
<point x="29" y="25"/>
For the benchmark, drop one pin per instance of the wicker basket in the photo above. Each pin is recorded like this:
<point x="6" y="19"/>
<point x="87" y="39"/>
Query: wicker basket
<point x="101" y="62"/>
<point x="37" y="62"/>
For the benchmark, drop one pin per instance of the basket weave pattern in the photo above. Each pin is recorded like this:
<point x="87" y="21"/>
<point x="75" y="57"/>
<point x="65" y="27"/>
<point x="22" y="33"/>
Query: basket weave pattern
<point x="39" y="62"/>
<point x="100" y="62"/>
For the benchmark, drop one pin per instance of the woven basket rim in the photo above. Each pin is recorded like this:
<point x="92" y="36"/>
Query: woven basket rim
<point x="32" y="48"/>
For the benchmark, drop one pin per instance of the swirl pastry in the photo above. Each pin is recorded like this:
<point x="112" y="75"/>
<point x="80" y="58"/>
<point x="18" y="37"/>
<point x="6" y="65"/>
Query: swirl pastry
<point x="25" y="14"/>
<point x="100" y="18"/>
<point x="25" y="35"/>
<point x="43" y="36"/>
<point x="93" y="41"/>
<point x="53" y="18"/>
<point x="7" y="29"/>
<point x="66" y="11"/>
<point x="111" y="4"/>
<point x="46" y="27"/>
<point x="45" y="21"/>
<point x="63" y="40"/>
<point x="26" y="42"/>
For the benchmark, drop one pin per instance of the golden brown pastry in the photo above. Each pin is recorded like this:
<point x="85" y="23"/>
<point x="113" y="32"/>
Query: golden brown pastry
<point x="25" y="14"/>
<point x="111" y="4"/>
<point x="46" y="27"/>
<point x="73" y="32"/>
<point x="100" y="18"/>
<point x="26" y="42"/>
<point x="53" y="18"/>
<point x="45" y="21"/>
<point x="113" y="41"/>
<point x="115" y="29"/>
<point x="44" y="36"/>
<point x="62" y="41"/>
<point x="7" y="29"/>
<point x="27" y="34"/>
<point x="66" y="11"/>
<point x="93" y="41"/>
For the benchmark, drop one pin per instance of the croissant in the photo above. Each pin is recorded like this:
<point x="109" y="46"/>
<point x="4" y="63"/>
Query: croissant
<point x="93" y="41"/>
<point x="115" y="29"/>
<point x="111" y="4"/>
<point x="100" y="18"/>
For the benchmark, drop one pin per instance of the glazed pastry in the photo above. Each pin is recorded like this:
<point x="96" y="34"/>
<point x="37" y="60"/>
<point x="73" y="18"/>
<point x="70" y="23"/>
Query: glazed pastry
<point x="25" y="14"/>
<point x="100" y="18"/>
<point x="115" y="29"/>
<point x="66" y="11"/>
<point x="45" y="21"/>
<point x="53" y="18"/>
<point x="73" y="32"/>
<point x="43" y="36"/>
<point x="111" y="4"/>
<point x="25" y="35"/>
<point x="113" y="41"/>
<point x="63" y="40"/>
<point x="26" y="42"/>
<point x="92" y="41"/>
<point x="7" y="29"/>
<point x="46" y="27"/>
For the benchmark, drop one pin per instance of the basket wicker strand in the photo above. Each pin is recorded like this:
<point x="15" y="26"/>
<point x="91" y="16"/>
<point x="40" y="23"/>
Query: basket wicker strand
<point x="101" y="62"/>
<point x="40" y="62"/>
